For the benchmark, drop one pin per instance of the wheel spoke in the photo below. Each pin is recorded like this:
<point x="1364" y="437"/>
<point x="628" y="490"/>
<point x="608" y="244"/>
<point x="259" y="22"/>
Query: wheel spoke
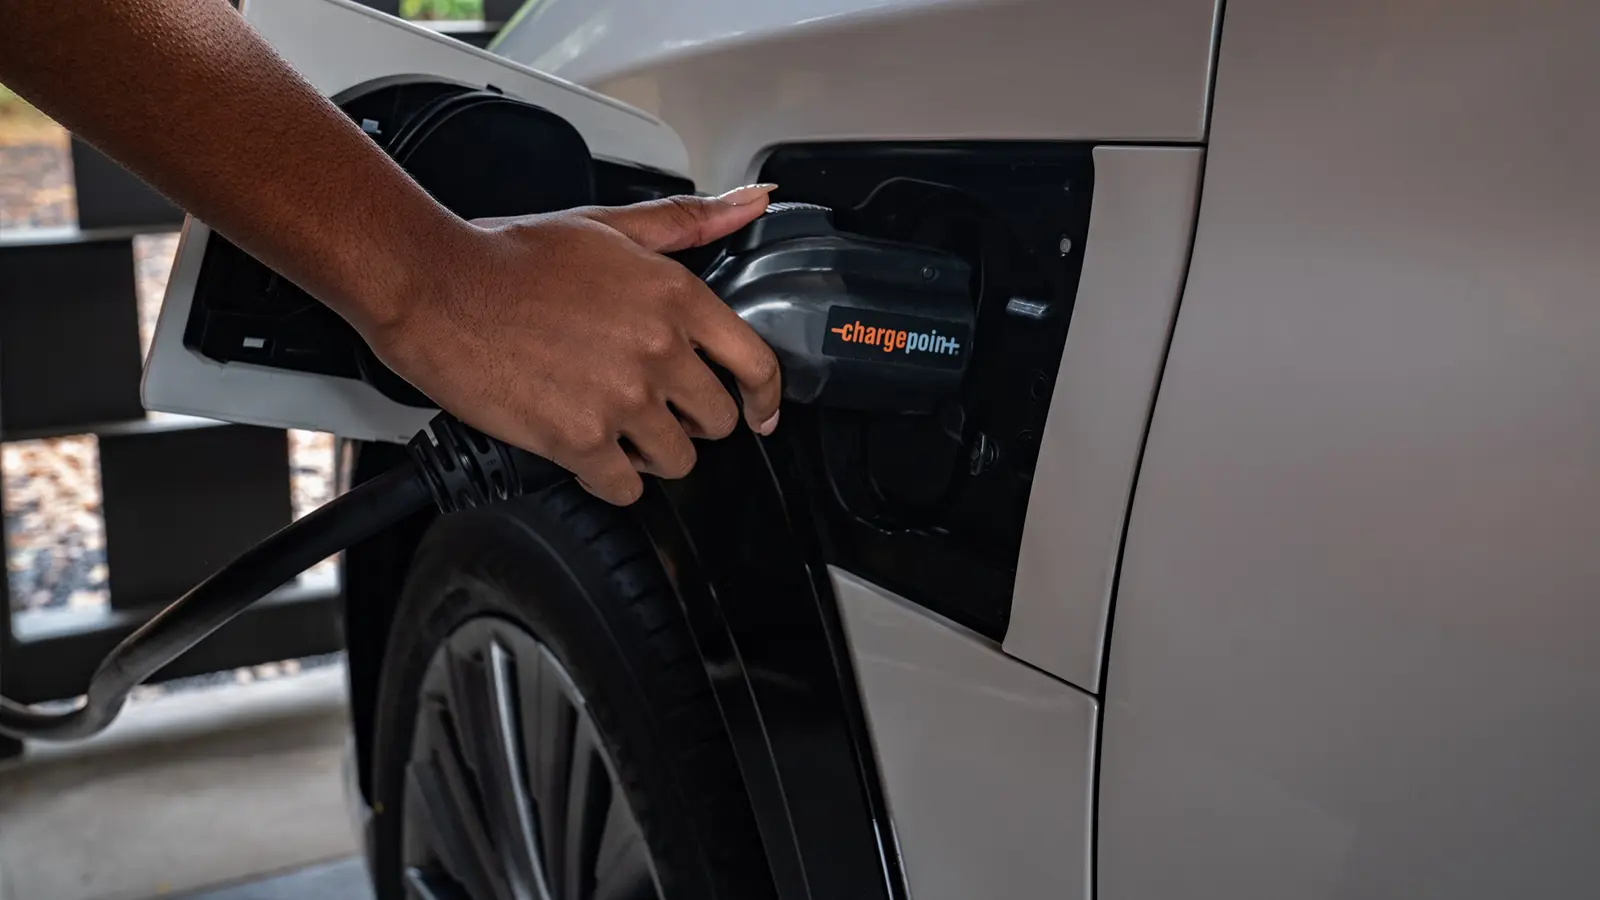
<point x="485" y="707"/>
<point x="449" y="796"/>
<point x="448" y="834"/>
<point x="444" y="835"/>
<point x="588" y="798"/>
<point x="468" y="688"/>
<point x="422" y="885"/>
<point x="517" y="814"/>
<point x="622" y="870"/>
<point x="548" y="720"/>
<point x="510" y="794"/>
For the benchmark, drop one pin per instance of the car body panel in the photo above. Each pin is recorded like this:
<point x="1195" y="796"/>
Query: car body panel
<point x="1356" y="645"/>
<point x="986" y="763"/>
<point x="1134" y="262"/>
<point x="736" y="78"/>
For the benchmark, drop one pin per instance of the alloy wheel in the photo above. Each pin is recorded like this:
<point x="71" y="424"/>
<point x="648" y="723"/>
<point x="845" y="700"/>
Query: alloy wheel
<point x="510" y="793"/>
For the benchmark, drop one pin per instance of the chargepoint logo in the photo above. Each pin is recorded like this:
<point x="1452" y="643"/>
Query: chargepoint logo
<point x="890" y="340"/>
<point x="894" y="338"/>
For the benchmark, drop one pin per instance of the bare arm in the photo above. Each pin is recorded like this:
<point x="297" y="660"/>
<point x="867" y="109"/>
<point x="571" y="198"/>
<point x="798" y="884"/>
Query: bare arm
<point x="499" y="322"/>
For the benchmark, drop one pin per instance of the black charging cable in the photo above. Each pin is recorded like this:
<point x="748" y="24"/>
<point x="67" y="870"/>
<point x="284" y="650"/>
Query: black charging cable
<point x="452" y="465"/>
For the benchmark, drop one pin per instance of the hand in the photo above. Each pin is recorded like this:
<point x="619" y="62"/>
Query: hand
<point x="570" y="336"/>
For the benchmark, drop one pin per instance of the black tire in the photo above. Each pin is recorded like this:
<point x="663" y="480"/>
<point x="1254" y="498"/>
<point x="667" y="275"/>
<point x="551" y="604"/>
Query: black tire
<point x="578" y="577"/>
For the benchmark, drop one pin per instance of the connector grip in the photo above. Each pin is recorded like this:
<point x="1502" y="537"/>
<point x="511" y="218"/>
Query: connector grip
<point x="465" y="469"/>
<point x="856" y="322"/>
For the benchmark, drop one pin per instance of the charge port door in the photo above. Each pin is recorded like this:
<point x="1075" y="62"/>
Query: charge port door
<point x="239" y="343"/>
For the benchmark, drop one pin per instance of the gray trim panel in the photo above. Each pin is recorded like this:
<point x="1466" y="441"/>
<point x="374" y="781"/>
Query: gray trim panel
<point x="1136" y="256"/>
<point x="985" y="761"/>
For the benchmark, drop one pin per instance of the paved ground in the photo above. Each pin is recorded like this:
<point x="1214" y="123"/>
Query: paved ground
<point x="342" y="880"/>
<point x="183" y="794"/>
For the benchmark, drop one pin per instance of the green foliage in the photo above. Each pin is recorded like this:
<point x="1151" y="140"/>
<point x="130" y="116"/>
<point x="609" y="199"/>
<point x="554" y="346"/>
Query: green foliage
<point x="19" y="121"/>
<point x="15" y="107"/>
<point x="442" y="9"/>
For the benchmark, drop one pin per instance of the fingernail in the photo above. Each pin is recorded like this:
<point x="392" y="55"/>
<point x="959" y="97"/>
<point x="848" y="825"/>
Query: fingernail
<point x="769" y="425"/>
<point x="747" y="194"/>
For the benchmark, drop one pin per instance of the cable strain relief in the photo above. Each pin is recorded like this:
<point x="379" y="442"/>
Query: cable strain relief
<point x="463" y="467"/>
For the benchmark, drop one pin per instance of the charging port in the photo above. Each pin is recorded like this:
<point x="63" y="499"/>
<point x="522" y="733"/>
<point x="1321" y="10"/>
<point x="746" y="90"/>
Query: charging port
<point x="931" y="504"/>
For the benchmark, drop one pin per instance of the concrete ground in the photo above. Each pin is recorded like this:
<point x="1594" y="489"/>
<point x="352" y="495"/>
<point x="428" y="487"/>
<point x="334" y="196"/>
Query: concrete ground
<point x="344" y="879"/>
<point x="186" y="792"/>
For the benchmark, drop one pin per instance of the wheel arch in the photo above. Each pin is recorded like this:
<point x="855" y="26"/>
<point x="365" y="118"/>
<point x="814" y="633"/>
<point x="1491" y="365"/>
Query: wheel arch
<point x="739" y="549"/>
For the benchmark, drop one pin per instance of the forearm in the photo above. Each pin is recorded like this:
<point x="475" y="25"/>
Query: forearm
<point x="188" y="96"/>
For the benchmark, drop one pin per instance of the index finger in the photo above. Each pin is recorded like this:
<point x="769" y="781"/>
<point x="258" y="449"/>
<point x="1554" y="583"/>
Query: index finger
<point x="734" y="345"/>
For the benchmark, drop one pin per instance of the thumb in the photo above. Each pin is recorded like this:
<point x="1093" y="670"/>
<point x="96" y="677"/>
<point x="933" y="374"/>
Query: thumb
<point x="677" y="223"/>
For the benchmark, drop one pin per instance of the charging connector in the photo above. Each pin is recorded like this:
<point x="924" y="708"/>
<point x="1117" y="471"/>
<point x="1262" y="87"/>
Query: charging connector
<point x="856" y="322"/>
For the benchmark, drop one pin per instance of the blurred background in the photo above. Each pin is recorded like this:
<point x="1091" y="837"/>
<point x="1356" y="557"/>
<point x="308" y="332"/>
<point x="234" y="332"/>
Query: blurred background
<point x="54" y="528"/>
<point x="232" y="768"/>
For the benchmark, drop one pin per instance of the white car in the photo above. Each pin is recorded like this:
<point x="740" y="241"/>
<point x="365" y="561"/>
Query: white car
<point x="1256" y="555"/>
